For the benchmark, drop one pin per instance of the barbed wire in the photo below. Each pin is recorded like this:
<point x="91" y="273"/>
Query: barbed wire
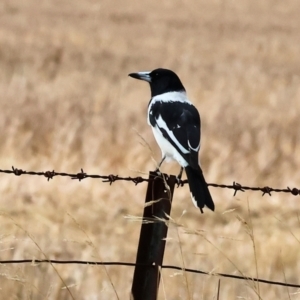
<point x="128" y="264"/>
<point x="136" y="180"/>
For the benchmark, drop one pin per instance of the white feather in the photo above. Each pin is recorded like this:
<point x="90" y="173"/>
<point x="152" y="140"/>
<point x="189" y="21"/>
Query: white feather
<point x="167" y="148"/>
<point x="194" y="200"/>
<point x="194" y="149"/>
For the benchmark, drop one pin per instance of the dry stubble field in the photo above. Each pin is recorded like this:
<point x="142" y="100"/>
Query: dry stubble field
<point x="67" y="103"/>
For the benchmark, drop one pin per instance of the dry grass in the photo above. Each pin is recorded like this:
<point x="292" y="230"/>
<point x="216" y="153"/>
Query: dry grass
<point x="67" y="103"/>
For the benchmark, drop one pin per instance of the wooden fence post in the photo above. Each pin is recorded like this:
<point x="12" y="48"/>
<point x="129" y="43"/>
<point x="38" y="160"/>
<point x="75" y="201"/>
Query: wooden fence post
<point x="152" y="237"/>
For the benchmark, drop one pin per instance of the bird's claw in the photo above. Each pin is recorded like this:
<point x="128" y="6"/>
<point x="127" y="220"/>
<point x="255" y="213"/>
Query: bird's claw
<point x="179" y="181"/>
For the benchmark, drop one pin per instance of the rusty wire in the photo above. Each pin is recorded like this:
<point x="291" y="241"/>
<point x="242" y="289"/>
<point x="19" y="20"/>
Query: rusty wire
<point x="136" y="180"/>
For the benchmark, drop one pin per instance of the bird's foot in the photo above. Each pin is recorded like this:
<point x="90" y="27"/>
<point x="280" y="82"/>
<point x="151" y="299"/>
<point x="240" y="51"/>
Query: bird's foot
<point x="178" y="179"/>
<point x="179" y="182"/>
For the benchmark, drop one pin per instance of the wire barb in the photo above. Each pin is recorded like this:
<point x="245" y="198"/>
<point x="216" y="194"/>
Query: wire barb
<point x="294" y="191"/>
<point x="267" y="190"/>
<point x="137" y="180"/>
<point x="17" y="172"/>
<point x="237" y="187"/>
<point x="49" y="174"/>
<point x="80" y="176"/>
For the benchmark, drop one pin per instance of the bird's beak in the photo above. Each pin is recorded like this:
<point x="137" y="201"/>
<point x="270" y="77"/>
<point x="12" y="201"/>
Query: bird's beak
<point x="141" y="75"/>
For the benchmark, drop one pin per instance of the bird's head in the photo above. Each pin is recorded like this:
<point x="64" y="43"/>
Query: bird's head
<point x="161" y="81"/>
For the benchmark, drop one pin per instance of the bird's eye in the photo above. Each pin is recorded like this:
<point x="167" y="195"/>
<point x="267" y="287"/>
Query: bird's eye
<point x="154" y="75"/>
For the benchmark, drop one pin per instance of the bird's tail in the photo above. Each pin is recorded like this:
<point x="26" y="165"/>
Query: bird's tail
<point x="199" y="191"/>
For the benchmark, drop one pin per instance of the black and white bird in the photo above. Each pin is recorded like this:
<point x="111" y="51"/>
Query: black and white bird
<point x="176" y="127"/>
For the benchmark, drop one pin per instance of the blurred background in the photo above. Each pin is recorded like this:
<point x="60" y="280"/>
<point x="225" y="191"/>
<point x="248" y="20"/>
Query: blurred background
<point x="67" y="103"/>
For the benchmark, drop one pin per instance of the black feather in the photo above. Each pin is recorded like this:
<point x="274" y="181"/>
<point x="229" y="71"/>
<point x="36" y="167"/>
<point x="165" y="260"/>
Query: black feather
<point x="184" y="121"/>
<point x="198" y="188"/>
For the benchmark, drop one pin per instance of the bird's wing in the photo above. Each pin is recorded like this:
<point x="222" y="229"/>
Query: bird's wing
<point x="179" y="123"/>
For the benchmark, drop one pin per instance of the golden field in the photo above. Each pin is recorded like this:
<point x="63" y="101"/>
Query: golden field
<point x="67" y="103"/>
